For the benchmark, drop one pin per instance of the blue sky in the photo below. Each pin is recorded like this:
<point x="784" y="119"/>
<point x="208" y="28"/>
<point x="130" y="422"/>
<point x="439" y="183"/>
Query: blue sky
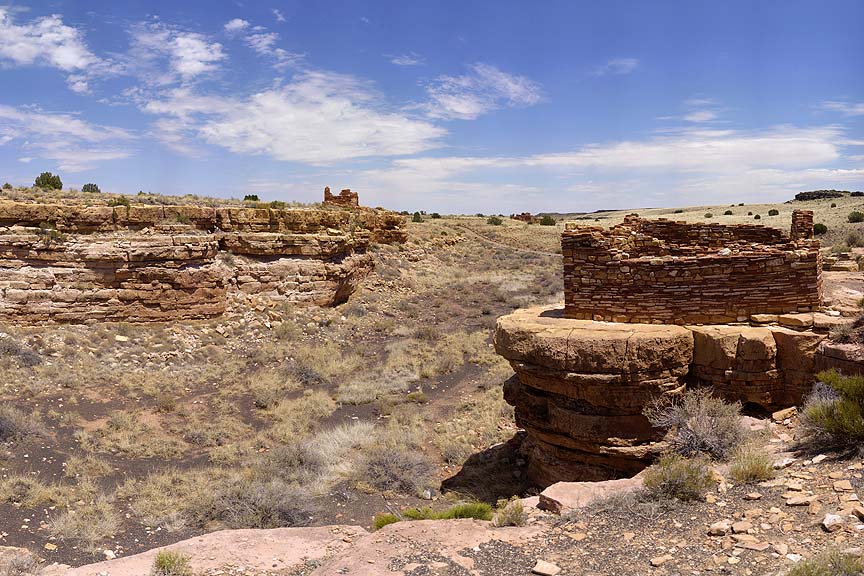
<point x="456" y="107"/>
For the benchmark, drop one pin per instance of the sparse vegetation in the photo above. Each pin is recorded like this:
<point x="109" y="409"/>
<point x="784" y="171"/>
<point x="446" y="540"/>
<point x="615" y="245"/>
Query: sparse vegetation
<point x="171" y="563"/>
<point x="48" y="181"/>
<point x="88" y="524"/>
<point x="674" y="476"/>
<point x="698" y="423"/>
<point x="21" y="564"/>
<point x="510" y="513"/>
<point x="90" y="188"/>
<point x="16" y="425"/>
<point x="855" y="217"/>
<point x="750" y="463"/>
<point x="494" y="221"/>
<point x="119" y="201"/>
<point x="832" y="562"/>
<point x="834" y="411"/>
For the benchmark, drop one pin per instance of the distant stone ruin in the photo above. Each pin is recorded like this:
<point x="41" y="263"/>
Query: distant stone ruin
<point x="660" y="271"/>
<point x="525" y="217"/>
<point x="346" y="198"/>
<point x="653" y="307"/>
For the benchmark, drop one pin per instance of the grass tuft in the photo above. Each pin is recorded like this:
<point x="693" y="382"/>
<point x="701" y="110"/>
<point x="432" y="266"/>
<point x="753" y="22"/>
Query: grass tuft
<point x="171" y="563"/>
<point x="750" y="464"/>
<point x="830" y="563"/>
<point x="676" y="477"/>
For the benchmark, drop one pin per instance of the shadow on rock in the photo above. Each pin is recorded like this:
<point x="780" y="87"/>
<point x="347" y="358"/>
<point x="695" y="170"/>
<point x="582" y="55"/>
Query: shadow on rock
<point x="495" y="473"/>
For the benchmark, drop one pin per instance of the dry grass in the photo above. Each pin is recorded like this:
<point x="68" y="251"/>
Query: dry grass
<point x="679" y="478"/>
<point x="750" y="463"/>
<point x="88" y="524"/>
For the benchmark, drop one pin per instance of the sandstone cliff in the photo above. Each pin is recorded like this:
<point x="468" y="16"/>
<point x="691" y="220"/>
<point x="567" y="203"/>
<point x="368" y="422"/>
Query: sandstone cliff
<point x="146" y="263"/>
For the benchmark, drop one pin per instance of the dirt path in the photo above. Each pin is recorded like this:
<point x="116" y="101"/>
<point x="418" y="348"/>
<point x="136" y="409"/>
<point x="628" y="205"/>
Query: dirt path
<point x="479" y="236"/>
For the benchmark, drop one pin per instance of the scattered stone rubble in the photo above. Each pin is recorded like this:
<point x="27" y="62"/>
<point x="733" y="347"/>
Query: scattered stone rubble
<point x="68" y="263"/>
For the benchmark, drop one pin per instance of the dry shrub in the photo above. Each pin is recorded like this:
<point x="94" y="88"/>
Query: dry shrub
<point x="20" y="354"/>
<point x="750" y="463"/>
<point x="296" y="418"/>
<point x="16" y="425"/>
<point x="833" y="413"/>
<point x="88" y="466"/>
<point x="391" y="468"/>
<point x="510" y="513"/>
<point x="88" y="524"/>
<point x="698" y="423"/>
<point x="674" y="476"/>
<point x="30" y="492"/>
<point x="22" y="564"/>
<point x="240" y="503"/>
<point x="830" y="563"/>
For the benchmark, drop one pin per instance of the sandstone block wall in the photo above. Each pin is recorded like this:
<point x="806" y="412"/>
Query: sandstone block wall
<point x="676" y="273"/>
<point x="144" y="263"/>
<point x="346" y="198"/>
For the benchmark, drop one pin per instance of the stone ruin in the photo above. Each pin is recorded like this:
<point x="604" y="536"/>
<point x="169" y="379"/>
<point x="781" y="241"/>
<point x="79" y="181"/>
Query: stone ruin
<point x="659" y="271"/>
<point x="345" y="199"/>
<point x="652" y="307"/>
<point x="525" y="217"/>
<point x="79" y="263"/>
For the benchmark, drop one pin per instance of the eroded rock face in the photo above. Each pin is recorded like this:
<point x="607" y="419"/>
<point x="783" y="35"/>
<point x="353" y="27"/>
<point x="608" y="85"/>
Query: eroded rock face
<point x="154" y="263"/>
<point x="580" y="388"/>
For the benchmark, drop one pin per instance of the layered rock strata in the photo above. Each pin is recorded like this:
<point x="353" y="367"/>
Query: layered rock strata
<point x="581" y="386"/>
<point x="148" y="263"/>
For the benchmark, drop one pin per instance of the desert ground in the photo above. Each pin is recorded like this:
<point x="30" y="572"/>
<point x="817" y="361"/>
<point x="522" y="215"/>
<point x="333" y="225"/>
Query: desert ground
<point x="141" y="435"/>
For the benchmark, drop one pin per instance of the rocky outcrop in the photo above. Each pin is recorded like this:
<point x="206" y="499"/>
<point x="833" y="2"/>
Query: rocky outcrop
<point x="581" y="386"/>
<point x="154" y="263"/>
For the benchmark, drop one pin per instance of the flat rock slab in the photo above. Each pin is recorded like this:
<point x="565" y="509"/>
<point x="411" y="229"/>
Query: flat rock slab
<point x="265" y="550"/>
<point x="542" y="336"/>
<point x="565" y="496"/>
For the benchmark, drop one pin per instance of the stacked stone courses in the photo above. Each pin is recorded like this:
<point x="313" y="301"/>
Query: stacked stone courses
<point x="660" y="271"/>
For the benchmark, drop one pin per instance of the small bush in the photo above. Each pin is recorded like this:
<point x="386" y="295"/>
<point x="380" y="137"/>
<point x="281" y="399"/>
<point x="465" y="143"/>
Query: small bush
<point x="494" y="221"/>
<point x="385" y="519"/>
<point x="833" y="204"/>
<point x="727" y="213"/>
<point x="547" y="221"/>
<point x="830" y="563"/>
<point x="251" y="198"/>
<point x="757" y="217"/>
<point x="88" y="525"/>
<point x="91" y="188"/>
<point x="854" y="239"/>
<point x="119" y="201"/>
<point x="773" y="212"/>
<point x="677" y="477"/>
<point x="259" y="504"/>
<point x="819" y="229"/>
<point x="678" y="211"/>
<point x="435" y="215"/>
<point x="23" y="564"/>
<point x="751" y="464"/>
<point x="48" y="181"/>
<point x="510" y="513"/>
<point x="855" y="217"/>
<point x="7" y="186"/>
<point x="834" y="410"/>
<point x="709" y="215"/>
<point x="171" y="563"/>
<point x="22" y="355"/>
<point x="749" y="213"/>
<point x="698" y="423"/>
<point x="16" y="425"/>
<point x="417" y="217"/>
<point x="391" y="468"/>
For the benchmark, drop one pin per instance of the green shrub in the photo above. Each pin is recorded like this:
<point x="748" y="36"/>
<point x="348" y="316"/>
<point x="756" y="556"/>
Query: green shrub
<point x="727" y="213"/>
<point x="494" y="221"/>
<point x="834" y="410"/>
<point x="678" y="211"/>
<point x="855" y="217"/>
<point x="417" y="217"/>
<point x="48" y="181"/>
<point x="751" y="464"/>
<point x="709" y="215"/>
<point x="833" y="204"/>
<point x="119" y="201"/>
<point x="476" y="510"/>
<point x="384" y="519"/>
<point x="435" y="215"/>
<point x="740" y="204"/>
<point x="510" y="513"/>
<point x="829" y="563"/>
<point x="677" y="477"/>
<point x="171" y="563"/>
<point x="547" y="221"/>
<point x="698" y="423"/>
<point x="251" y="198"/>
<point x="749" y="213"/>
<point x="278" y="205"/>
<point x="91" y="188"/>
<point x="7" y="186"/>
<point x="773" y="212"/>
<point x="757" y="217"/>
<point x="819" y="229"/>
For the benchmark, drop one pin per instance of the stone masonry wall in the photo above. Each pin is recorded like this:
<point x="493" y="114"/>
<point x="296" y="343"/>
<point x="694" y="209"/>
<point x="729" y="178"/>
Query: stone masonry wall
<point x="346" y="198"/>
<point x="677" y="273"/>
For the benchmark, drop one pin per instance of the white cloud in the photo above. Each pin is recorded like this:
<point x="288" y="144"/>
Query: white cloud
<point x="236" y="25"/>
<point x="318" y="118"/>
<point x="74" y="144"/>
<point x="847" y="108"/>
<point x="407" y="59"/>
<point x="484" y="89"/>
<point x="49" y="42"/>
<point x="701" y="116"/>
<point x="163" y="54"/>
<point x="617" y="66"/>
<point x="278" y="15"/>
